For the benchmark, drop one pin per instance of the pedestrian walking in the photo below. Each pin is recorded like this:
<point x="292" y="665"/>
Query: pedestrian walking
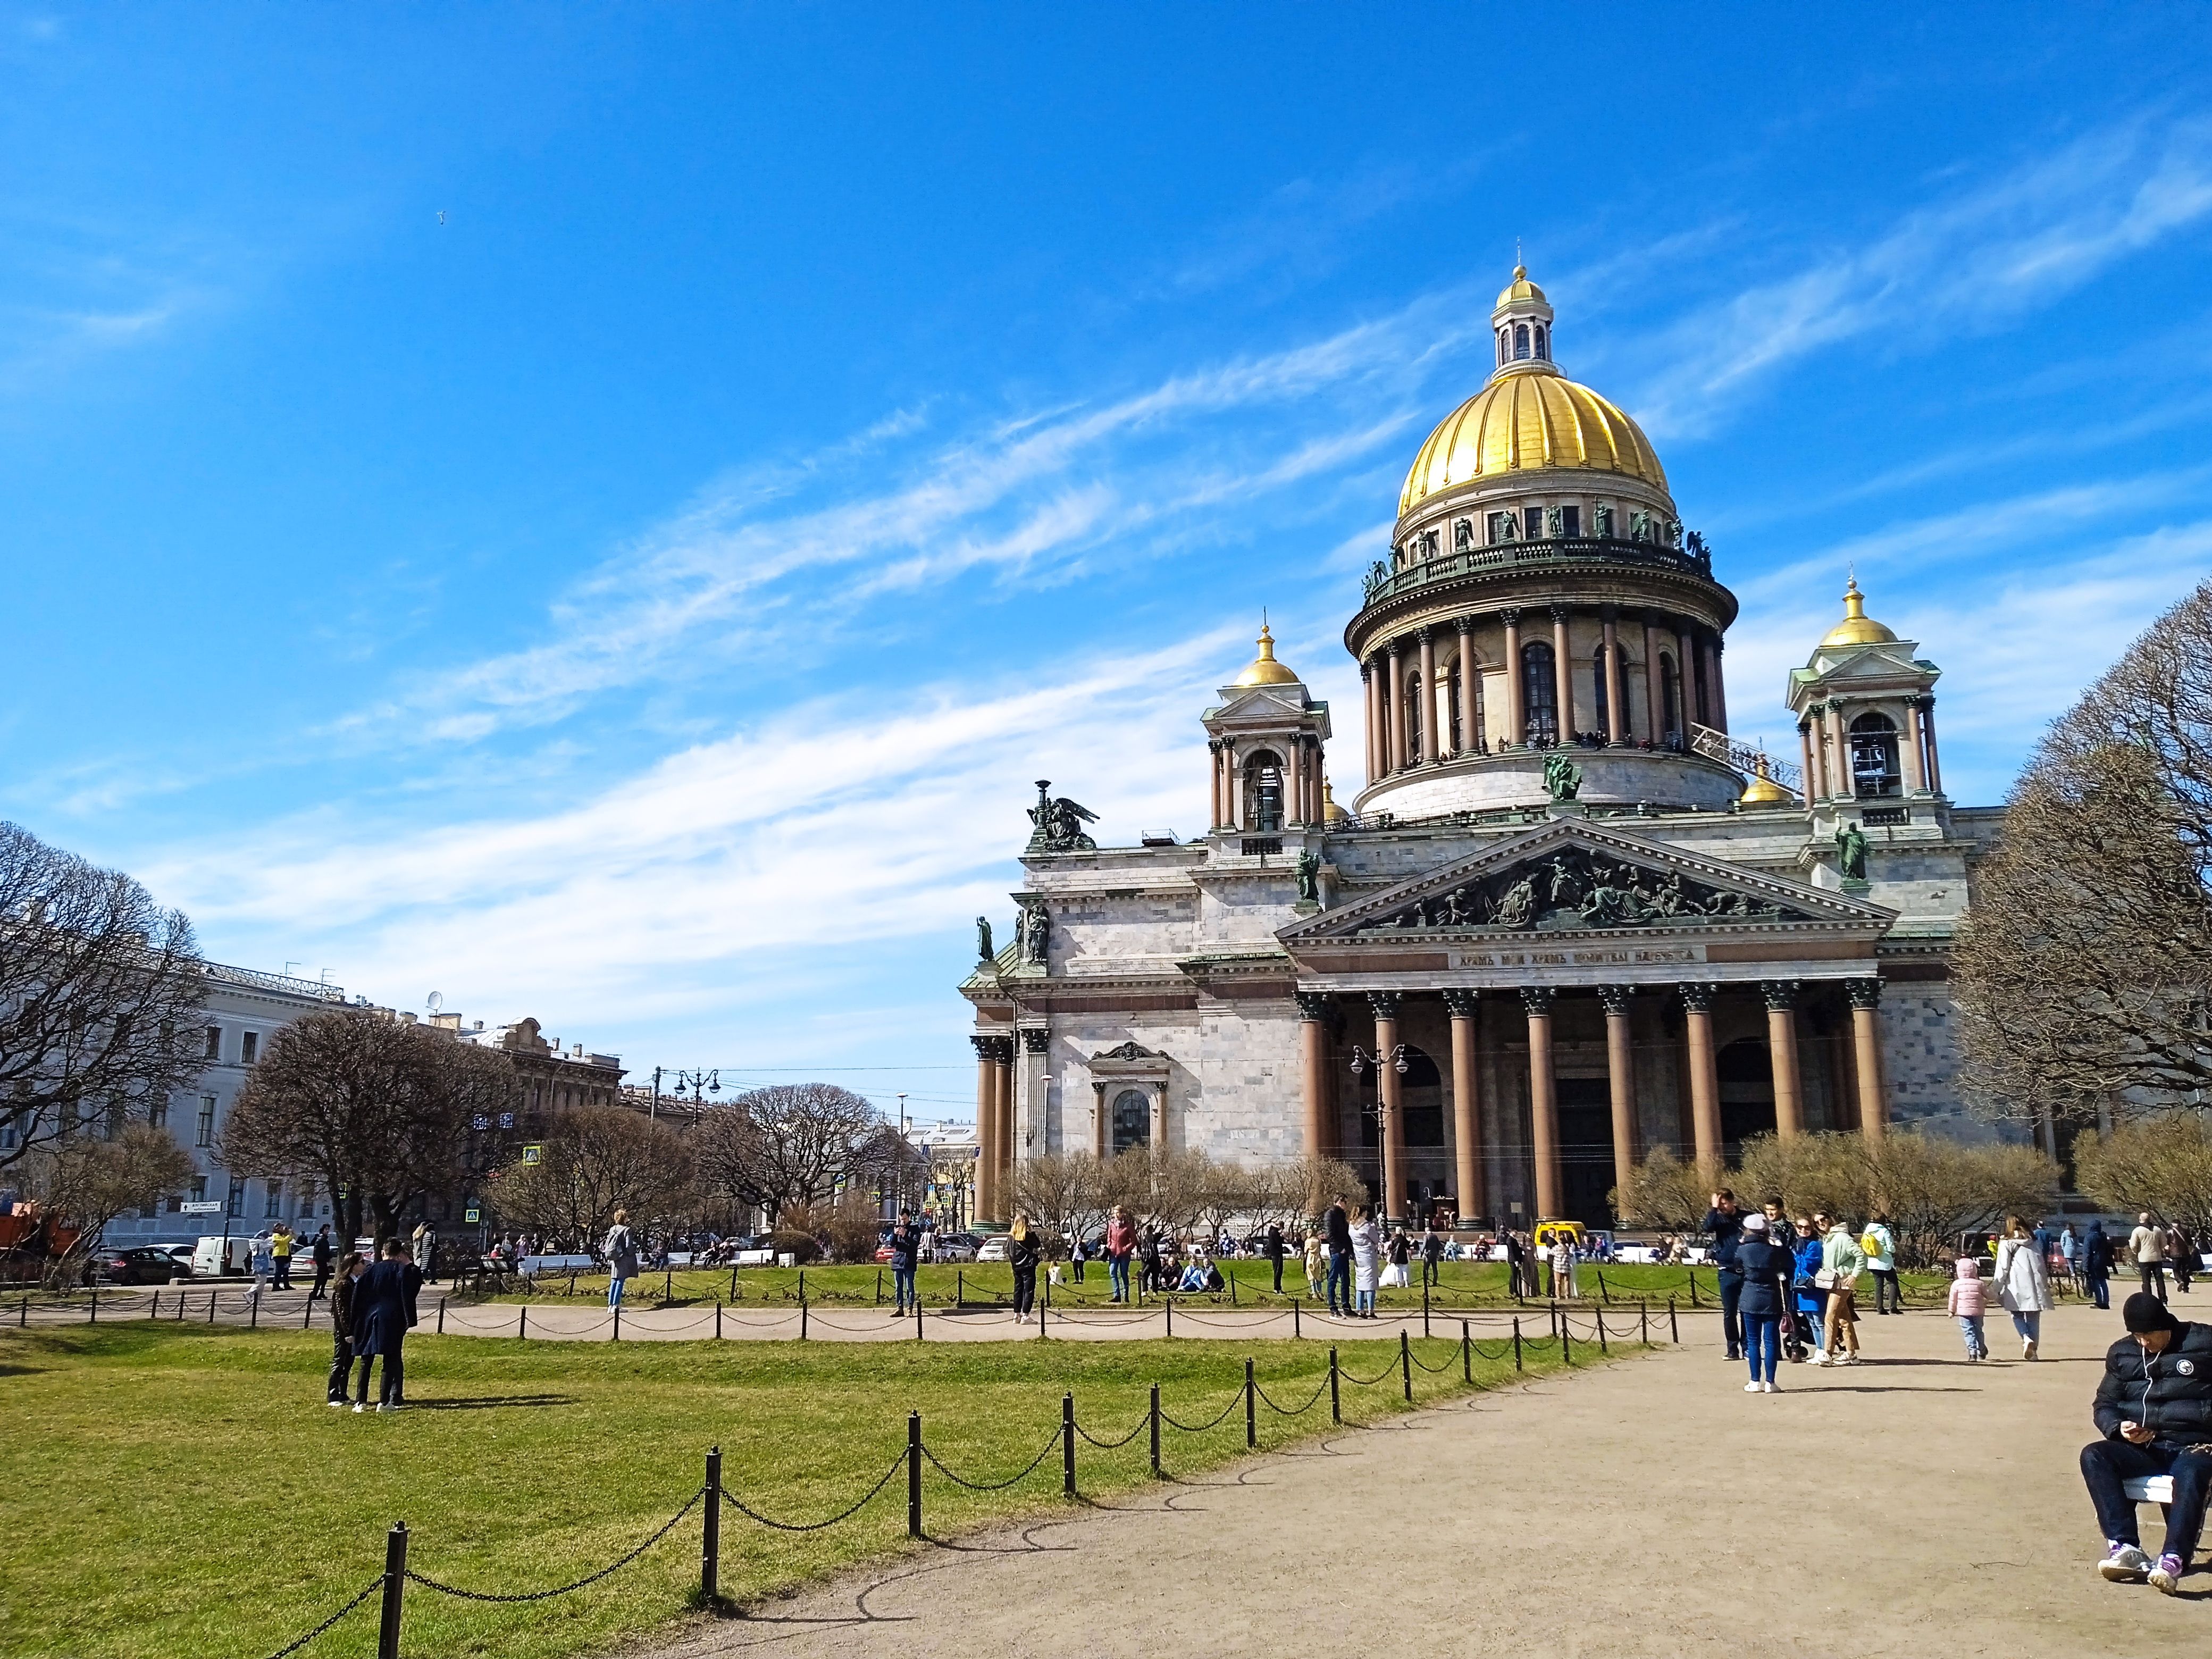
<point x="1967" y="1304"/>
<point x="2147" y="1249"/>
<point x="342" y="1313"/>
<point x="2181" y="1255"/>
<point x="1316" y="1264"/>
<point x="1271" y="1248"/>
<point x="1023" y="1249"/>
<point x="2069" y="1246"/>
<point x="1432" y="1257"/>
<point x="425" y="1249"/>
<point x="1120" y="1245"/>
<point x="383" y="1296"/>
<point x="1767" y="1268"/>
<point x="1338" y="1224"/>
<point x="261" y="1263"/>
<point x="2023" y="1283"/>
<point x="1401" y="1258"/>
<point x="905" y="1247"/>
<point x="1842" y="1261"/>
<point x="1880" y="1247"/>
<point x="1812" y="1301"/>
<point x="1725" y="1223"/>
<point x="281" y="1242"/>
<point x="1367" y="1261"/>
<point x="319" y="1252"/>
<point x="1077" y="1255"/>
<point x="2097" y="1264"/>
<point x="2153" y="1409"/>
<point x="619" y="1246"/>
<point x="1564" y="1283"/>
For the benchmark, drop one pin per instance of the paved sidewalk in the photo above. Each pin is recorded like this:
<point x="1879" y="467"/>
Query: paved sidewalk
<point x="1910" y="1506"/>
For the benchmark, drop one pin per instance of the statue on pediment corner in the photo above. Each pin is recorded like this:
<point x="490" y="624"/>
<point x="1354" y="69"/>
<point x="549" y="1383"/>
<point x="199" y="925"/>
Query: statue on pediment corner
<point x="1851" y="851"/>
<point x="983" y="951"/>
<point x="1309" y="876"/>
<point x="1059" y="823"/>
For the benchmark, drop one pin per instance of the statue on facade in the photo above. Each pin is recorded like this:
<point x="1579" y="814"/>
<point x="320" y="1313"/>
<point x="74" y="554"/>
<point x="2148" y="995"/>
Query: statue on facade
<point x="983" y="951"/>
<point x="1851" y="851"/>
<point x="1372" y="584"/>
<point x="1697" y="545"/>
<point x="1462" y="535"/>
<point x="1310" y="877"/>
<point x="1601" y="521"/>
<point x="1059" y="823"/>
<point x="1562" y="778"/>
<point x="1034" y="932"/>
<point x="1517" y="908"/>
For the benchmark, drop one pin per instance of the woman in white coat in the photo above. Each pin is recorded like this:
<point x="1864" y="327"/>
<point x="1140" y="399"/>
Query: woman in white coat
<point x="1366" y="1261"/>
<point x="2023" y="1283"/>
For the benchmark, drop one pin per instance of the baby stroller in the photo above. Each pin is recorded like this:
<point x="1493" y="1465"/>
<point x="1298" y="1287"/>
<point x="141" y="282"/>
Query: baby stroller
<point x="1797" y="1336"/>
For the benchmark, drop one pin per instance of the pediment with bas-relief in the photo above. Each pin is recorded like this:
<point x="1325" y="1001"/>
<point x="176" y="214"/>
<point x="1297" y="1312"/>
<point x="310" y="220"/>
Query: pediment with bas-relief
<point x="1573" y="876"/>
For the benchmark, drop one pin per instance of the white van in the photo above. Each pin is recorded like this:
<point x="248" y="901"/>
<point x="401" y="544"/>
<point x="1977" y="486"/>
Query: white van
<point x="212" y="1260"/>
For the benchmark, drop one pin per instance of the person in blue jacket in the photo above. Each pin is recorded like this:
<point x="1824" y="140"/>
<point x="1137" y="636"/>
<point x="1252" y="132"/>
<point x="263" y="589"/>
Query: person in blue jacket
<point x="1762" y="1301"/>
<point x="902" y="1247"/>
<point x="1810" y="1298"/>
<point x="383" y="1309"/>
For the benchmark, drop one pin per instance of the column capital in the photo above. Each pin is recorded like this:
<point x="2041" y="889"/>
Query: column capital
<point x="1316" y="1006"/>
<point x="1537" y="1000"/>
<point x="1609" y="613"/>
<point x="1384" y="1003"/>
<point x="1781" y="994"/>
<point x="1924" y="703"/>
<point x="1560" y="614"/>
<point x="982" y="1044"/>
<point x="1863" y="992"/>
<point x="1617" y="998"/>
<point x="1465" y="622"/>
<point x="1036" y="1039"/>
<point x="1394" y="648"/>
<point x="1510" y="615"/>
<point x="1463" y="1002"/>
<point x="1697" y="995"/>
<point x="1426" y="632"/>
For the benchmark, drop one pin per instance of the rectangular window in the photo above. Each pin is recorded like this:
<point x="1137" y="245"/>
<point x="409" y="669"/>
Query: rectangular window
<point x="158" y="1114"/>
<point x="234" y="1204"/>
<point x="199" y="1189"/>
<point x="1571" y="520"/>
<point x="206" y="1136"/>
<point x="215" y="1042"/>
<point x="1535" y="523"/>
<point x="249" y="1047"/>
<point x="272" y="1205"/>
<point x="1501" y="527"/>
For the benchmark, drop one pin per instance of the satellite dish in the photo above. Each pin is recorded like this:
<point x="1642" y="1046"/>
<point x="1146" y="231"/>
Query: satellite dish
<point x="434" y="1001"/>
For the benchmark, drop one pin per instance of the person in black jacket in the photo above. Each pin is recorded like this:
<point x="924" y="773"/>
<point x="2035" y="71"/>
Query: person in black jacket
<point x="1272" y="1250"/>
<point x="1022" y="1250"/>
<point x="1764" y="1270"/>
<point x="1723" y="1222"/>
<point x="1338" y="1225"/>
<point x="341" y="1324"/>
<point x="2155" y="1410"/>
<point x="383" y="1309"/>
<point x="902" y="1247"/>
<point x="320" y="1250"/>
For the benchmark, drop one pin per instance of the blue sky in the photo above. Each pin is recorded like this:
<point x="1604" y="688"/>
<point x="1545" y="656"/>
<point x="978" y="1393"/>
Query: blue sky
<point x="602" y="513"/>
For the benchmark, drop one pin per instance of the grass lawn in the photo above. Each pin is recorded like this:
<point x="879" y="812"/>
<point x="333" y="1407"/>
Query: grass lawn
<point x="1462" y="1285"/>
<point x="181" y="1490"/>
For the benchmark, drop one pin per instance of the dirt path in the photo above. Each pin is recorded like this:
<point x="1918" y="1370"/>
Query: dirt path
<point x="1911" y="1506"/>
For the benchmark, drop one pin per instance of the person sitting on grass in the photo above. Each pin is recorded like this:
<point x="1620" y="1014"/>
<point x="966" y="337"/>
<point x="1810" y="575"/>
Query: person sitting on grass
<point x="2153" y="1409"/>
<point x="1193" y="1274"/>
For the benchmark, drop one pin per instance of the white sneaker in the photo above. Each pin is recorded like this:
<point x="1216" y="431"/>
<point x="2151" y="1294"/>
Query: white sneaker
<point x="382" y="1408"/>
<point x="2030" y="1348"/>
<point x="1820" y="1358"/>
<point x="2167" y="1574"/>
<point x="335" y="1405"/>
<point x="1769" y="1387"/>
<point x="359" y="1409"/>
<point x="1751" y="1387"/>
<point x="2126" y="1564"/>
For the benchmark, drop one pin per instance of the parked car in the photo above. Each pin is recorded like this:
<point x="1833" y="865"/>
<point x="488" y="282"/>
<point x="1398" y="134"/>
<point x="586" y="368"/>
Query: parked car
<point x="994" y="1249"/>
<point x="182" y="1255"/>
<point x="141" y="1264"/>
<point x="213" y="1257"/>
<point x="952" y="1247"/>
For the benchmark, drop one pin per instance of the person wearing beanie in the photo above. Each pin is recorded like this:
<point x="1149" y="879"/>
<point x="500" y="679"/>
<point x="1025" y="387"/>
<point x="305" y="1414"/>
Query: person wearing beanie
<point x="1762" y="1301"/>
<point x="2153" y="1409"/>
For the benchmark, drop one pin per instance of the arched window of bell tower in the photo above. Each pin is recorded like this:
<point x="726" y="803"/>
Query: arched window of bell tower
<point x="1263" y="792"/>
<point x="1874" y="757"/>
<point x="1520" y="341"/>
<point x="1543" y="343"/>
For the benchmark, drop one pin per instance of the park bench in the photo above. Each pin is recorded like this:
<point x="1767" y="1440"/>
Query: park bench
<point x="2151" y="1489"/>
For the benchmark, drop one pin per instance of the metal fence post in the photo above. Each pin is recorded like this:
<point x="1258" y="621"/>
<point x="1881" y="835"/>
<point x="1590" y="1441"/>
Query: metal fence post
<point x="1154" y="1418"/>
<point x="1298" y="1325"/>
<point x="307" y="1312"/>
<point x="1643" y="1322"/>
<point x="710" y="1538"/>
<point x="1170" y="1316"/>
<point x="1674" y="1330"/>
<point x="1424" y="1298"/>
<point x="441" y="1316"/>
<point x="253" y="1309"/>
<point x="718" y="1319"/>
<point x="1068" y="1445"/>
<point x="1251" y="1406"/>
<point x="211" y="1296"/>
<point x="1335" y="1400"/>
<point x="1566" y="1344"/>
<point x="618" y="1322"/>
<point x="802" y="1320"/>
<point x="1693" y="1287"/>
<point x="914" y="1474"/>
<point x="92" y="1317"/>
<point x="522" y="1322"/>
<point x="1466" y="1355"/>
<point x="1602" y="1348"/>
<point x="1516" y="1344"/>
<point x="1406" y="1362"/>
<point x="917" y="1313"/>
<point x="395" y="1585"/>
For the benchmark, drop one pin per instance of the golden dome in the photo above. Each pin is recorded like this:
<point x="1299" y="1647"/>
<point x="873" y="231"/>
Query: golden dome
<point x="1528" y="417"/>
<point x="1763" y="791"/>
<point x="1519" y="288"/>
<point x="1265" y="670"/>
<point x="1330" y="811"/>
<point x="1856" y="626"/>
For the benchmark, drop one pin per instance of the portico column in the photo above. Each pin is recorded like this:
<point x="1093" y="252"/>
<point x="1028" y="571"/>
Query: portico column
<point x="1003" y="1118"/>
<point x="1371" y="674"/>
<point x="1621" y="1078"/>
<point x="1616" y="717"/>
<point x="986" y="1134"/>
<point x="1393" y="1137"/>
<point x="1035" y="1127"/>
<point x="1213" y="754"/>
<point x="1654" y="694"/>
<point x="1294" y="785"/>
<point x="1866" y="1044"/>
<point x="1159" y="1141"/>
<point x="1469" y="684"/>
<point x="1543" y="1100"/>
<point x="1313" y="1008"/>
<point x="1782" y="1055"/>
<point x="1429" y="749"/>
<point x="1705" y="1079"/>
<point x="1839" y="741"/>
<point x="1563" y="670"/>
<point x="1467" y="1110"/>
<point x="1516" y="729"/>
<point x="1908" y="753"/>
<point x="1685" y="662"/>
<point x="1393" y="712"/>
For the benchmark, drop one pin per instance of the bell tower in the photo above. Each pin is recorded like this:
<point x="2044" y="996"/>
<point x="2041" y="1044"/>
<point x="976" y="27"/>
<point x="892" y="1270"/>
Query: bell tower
<point x="1265" y="738"/>
<point x="1866" y="711"/>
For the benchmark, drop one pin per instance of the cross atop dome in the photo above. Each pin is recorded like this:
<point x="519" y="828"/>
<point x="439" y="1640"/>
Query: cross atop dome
<point x="1523" y="321"/>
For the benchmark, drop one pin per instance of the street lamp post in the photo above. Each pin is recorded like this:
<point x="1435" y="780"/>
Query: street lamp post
<point x="1385" y="1117"/>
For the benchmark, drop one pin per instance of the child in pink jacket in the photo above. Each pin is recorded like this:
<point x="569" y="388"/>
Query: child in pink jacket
<point x="1968" y="1303"/>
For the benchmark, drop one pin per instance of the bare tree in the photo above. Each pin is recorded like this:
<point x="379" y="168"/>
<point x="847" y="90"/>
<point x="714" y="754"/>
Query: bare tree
<point x="101" y="994"/>
<point x="1165" y="1189"/>
<point x="1664" y="1192"/>
<point x="2083" y="978"/>
<point x="374" y="1110"/>
<point x="93" y="1179"/>
<point x="1062" y="1193"/>
<point x="596" y="1160"/>
<point x="1303" y="1190"/>
<point x="788" y="1144"/>
<point x="2162" y="1164"/>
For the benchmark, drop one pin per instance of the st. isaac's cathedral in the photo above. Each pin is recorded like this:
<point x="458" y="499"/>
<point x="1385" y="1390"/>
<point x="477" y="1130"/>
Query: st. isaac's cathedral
<point x="1566" y="920"/>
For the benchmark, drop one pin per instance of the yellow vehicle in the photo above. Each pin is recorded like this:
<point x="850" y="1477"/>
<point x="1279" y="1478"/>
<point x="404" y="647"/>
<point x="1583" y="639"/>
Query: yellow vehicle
<point x="1549" y="1233"/>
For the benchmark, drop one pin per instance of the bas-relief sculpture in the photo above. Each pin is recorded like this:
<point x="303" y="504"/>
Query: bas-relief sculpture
<point x="1577" y="890"/>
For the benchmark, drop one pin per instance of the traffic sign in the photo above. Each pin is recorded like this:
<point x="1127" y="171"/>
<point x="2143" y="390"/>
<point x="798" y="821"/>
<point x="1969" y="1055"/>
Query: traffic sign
<point x="471" y="1214"/>
<point x="208" y="1206"/>
<point x="533" y="1154"/>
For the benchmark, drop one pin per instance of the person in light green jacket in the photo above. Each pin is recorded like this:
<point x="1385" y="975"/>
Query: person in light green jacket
<point x="1880" y="1247"/>
<point x="1842" y="1261"/>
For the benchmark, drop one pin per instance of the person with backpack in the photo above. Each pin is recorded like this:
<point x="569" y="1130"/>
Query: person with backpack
<point x="1880" y="1247"/>
<point x="1842" y="1261"/>
<point x="620" y="1248"/>
<point x="2181" y="1255"/>
<point x="319" y="1250"/>
<point x="2147" y="1248"/>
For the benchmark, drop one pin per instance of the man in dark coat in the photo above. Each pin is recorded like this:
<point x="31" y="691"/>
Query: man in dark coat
<point x="383" y="1309"/>
<point x="2154" y="1411"/>
<point x="1337" y="1223"/>
<point x="320" y="1250"/>
<point x="1272" y="1250"/>
<point x="1725" y="1223"/>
